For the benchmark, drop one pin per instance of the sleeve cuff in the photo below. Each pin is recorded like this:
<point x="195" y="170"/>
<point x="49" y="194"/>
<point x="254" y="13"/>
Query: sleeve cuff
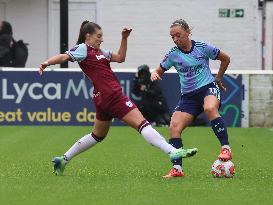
<point x="162" y="67"/>
<point x="72" y="59"/>
<point x="217" y="55"/>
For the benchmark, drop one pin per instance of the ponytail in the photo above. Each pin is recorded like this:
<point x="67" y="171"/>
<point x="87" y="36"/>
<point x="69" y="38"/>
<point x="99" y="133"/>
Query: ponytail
<point x="87" y="27"/>
<point x="81" y="37"/>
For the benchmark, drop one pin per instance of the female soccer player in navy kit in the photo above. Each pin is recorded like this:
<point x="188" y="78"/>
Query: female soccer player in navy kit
<point x="199" y="89"/>
<point x="109" y="100"/>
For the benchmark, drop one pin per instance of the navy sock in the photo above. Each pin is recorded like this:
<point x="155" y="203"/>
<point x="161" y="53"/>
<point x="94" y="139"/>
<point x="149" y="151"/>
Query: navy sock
<point x="219" y="127"/>
<point x="176" y="143"/>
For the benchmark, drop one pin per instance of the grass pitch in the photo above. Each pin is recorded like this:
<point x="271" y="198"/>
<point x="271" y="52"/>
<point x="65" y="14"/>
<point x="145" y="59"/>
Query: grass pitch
<point x="124" y="169"/>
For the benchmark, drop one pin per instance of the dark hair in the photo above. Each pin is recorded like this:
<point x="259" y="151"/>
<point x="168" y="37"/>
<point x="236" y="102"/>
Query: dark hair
<point x="143" y="67"/>
<point x="182" y="23"/>
<point x="87" y="27"/>
<point x="6" y="28"/>
<point x="144" y="74"/>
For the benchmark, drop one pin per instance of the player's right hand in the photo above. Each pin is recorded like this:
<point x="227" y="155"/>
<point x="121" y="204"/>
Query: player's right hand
<point x="220" y="84"/>
<point x="155" y="76"/>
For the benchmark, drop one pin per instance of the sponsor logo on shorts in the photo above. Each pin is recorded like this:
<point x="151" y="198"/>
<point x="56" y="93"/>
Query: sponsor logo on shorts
<point x="129" y="104"/>
<point x="94" y="95"/>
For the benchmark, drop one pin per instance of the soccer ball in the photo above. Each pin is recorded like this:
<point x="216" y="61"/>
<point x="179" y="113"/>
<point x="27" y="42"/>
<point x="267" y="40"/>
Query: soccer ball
<point x="222" y="169"/>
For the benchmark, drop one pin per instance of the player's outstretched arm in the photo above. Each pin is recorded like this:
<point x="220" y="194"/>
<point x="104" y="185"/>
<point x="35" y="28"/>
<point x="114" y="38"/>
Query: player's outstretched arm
<point x="58" y="59"/>
<point x="121" y="54"/>
<point x="225" y="60"/>
<point x="157" y="73"/>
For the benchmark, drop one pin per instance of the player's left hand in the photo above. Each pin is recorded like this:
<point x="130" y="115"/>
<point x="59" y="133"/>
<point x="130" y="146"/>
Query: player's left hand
<point x="126" y="32"/>
<point x="42" y="67"/>
<point x="220" y="84"/>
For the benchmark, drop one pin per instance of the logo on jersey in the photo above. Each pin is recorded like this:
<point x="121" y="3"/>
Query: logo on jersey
<point x="129" y="104"/>
<point x="100" y="57"/>
<point x="199" y="58"/>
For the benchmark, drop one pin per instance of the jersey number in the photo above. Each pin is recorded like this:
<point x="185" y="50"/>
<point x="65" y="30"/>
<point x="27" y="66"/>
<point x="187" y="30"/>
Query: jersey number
<point x="215" y="92"/>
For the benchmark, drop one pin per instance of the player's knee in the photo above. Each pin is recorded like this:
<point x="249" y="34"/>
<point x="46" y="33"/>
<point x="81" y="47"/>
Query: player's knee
<point x="210" y="110"/>
<point x="175" y="129"/>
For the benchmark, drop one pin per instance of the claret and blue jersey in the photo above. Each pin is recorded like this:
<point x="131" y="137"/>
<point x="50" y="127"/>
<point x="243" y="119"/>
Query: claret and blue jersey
<point x="79" y="53"/>
<point x="192" y="66"/>
<point x="95" y="63"/>
<point x="109" y="100"/>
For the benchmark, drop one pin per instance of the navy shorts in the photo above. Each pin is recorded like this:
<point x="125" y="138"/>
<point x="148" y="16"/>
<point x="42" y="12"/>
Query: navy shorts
<point x="193" y="102"/>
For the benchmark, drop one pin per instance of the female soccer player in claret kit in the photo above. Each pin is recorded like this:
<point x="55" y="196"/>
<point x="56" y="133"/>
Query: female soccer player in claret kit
<point x="200" y="90"/>
<point x="110" y="102"/>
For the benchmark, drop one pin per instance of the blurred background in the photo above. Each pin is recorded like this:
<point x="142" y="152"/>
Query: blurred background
<point x="241" y="28"/>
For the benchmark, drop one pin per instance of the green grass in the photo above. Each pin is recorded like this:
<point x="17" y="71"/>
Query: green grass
<point x="124" y="169"/>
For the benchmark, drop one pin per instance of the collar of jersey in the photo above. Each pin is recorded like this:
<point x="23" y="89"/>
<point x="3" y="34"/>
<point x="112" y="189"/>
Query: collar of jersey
<point x="192" y="47"/>
<point x="90" y="46"/>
